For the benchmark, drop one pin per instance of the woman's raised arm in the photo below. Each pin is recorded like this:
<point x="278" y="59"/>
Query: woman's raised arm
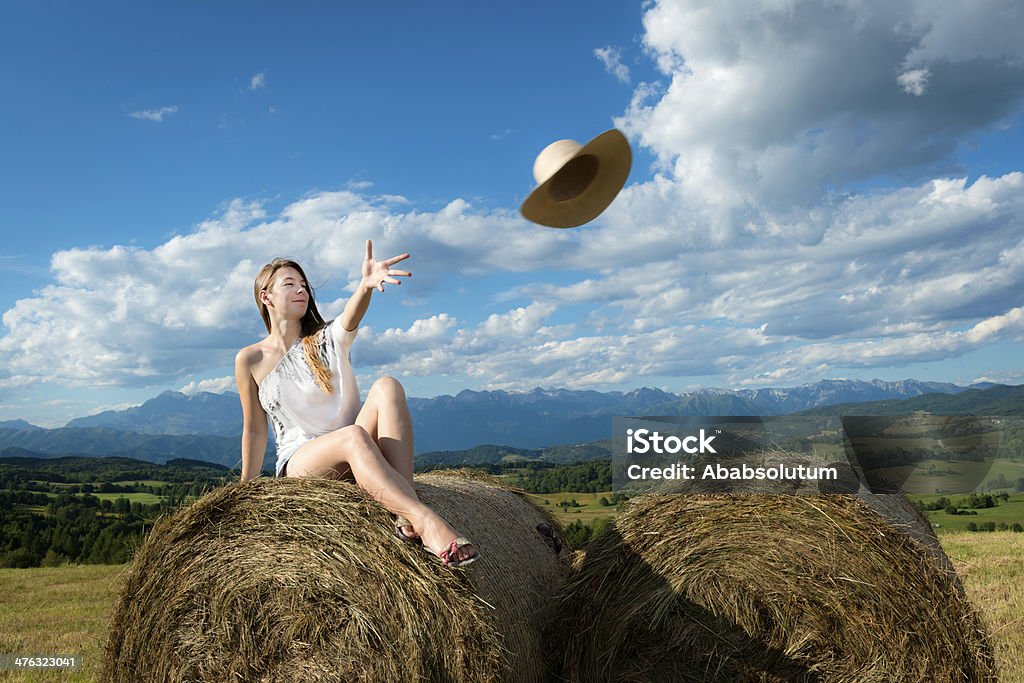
<point x="375" y="275"/>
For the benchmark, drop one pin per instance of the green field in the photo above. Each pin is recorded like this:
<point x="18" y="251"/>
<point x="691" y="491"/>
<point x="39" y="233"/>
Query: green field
<point x="1010" y="512"/>
<point x="57" y="610"/>
<point x="991" y="566"/>
<point x="1008" y="468"/>
<point x="591" y="509"/>
<point x="950" y="477"/>
<point x="144" y="498"/>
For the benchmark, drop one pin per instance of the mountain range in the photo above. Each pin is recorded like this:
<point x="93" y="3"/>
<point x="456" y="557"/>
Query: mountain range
<point x="207" y="426"/>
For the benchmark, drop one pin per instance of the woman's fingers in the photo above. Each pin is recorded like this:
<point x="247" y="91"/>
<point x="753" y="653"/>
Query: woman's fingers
<point x="401" y="273"/>
<point x="387" y="280"/>
<point x="369" y="250"/>
<point x="396" y="259"/>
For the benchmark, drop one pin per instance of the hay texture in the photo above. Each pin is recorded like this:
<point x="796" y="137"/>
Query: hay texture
<point x="895" y="508"/>
<point x="304" y="580"/>
<point x="731" y="587"/>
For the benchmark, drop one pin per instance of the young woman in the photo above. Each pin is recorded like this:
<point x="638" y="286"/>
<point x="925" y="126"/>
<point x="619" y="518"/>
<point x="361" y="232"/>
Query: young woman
<point x="301" y="376"/>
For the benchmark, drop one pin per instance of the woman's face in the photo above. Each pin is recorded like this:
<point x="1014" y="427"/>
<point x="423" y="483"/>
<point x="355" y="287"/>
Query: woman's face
<point x="288" y="293"/>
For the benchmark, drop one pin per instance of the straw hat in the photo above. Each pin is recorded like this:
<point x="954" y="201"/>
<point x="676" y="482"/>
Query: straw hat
<point x="575" y="182"/>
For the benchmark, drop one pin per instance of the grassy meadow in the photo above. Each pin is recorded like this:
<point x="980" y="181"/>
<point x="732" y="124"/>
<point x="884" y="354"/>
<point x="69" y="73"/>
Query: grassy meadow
<point x="1010" y="512"/>
<point x="589" y="508"/>
<point x="991" y="566"/>
<point x="57" y="611"/>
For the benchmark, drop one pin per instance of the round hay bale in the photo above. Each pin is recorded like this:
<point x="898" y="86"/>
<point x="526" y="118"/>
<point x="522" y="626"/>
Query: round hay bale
<point x="903" y="516"/>
<point x="895" y="508"/>
<point x="730" y="587"/>
<point x="305" y="580"/>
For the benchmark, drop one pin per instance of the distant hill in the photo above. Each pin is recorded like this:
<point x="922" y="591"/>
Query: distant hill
<point x="173" y="412"/>
<point x="199" y="451"/>
<point x="531" y="419"/>
<point x="833" y="391"/>
<point x="206" y="426"/>
<point x="478" y="455"/>
<point x="99" y="441"/>
<point x="17" y="424"/>
<point x="541" y="417"/>
<point x="996" y="400"/>
<point x="76" y="468"/>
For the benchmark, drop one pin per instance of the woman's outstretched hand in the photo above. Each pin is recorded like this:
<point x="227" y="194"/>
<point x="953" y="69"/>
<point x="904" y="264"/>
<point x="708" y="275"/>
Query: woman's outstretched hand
<point x="378" y="273"/>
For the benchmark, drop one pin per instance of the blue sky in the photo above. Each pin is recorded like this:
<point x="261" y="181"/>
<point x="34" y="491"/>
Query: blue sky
<point x="819" y="190"/>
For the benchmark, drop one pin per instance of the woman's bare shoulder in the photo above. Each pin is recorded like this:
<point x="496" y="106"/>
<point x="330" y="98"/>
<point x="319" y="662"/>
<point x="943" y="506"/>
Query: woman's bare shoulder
<point x="251" y="356"/>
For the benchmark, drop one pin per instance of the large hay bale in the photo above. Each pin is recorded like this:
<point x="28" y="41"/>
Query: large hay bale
<point x="895" y="508"/>
<point x="304" y="580"/>
<point x="730" y="587"/>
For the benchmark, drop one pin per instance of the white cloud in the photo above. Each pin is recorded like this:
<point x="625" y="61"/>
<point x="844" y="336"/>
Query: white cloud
<point x="883" y="283"/>
<point x="258" y="81"/>
<point x="392" y="344"/>
<point x="914" y="82"/>
<point x="112" y="406"/>
<point x="153" y="114"/>
<point x="769" y="108"/>
<point x="215" y="385"/>
<point x="519" y="322"/>
<point x="127" y="316"/>
<point x="611" y="57"/>
<point x="957" y="33"/>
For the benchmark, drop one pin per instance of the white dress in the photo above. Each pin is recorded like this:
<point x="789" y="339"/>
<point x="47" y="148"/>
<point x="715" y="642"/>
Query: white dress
<point x="299" y="409"/>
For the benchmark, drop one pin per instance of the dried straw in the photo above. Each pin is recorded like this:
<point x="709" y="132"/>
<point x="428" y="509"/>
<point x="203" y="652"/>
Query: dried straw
<point x="895" y="508"/>
<point x="732" y="587"/>
<point x="304" y="580"/>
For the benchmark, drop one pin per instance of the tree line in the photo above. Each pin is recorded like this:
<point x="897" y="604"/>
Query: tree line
<point x="50" y="513"/>
<point x="587" y="477"/>
<point x="79" y="529"/>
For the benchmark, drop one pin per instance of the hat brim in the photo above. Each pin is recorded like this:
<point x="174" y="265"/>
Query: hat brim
<point x="614" y="160"/>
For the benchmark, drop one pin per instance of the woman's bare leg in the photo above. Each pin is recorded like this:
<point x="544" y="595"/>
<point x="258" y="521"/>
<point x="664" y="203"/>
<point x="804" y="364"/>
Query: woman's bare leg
<point x="352" y="446"/>
<point x="385" y="417"/>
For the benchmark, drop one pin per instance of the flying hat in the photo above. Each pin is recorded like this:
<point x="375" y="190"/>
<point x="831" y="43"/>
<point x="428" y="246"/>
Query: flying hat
<point x="575" y="182"/>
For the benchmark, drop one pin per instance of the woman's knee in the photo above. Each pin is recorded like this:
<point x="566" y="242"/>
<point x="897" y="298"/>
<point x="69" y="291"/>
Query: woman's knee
<point x="389" y="388"/>
<point x="352" y="439"/>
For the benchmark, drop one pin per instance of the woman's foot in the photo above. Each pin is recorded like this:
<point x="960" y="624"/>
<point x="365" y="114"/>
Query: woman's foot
<point x="405" y="530"/>
<point x="441" y="541"/>
<point x="459" y="553"/>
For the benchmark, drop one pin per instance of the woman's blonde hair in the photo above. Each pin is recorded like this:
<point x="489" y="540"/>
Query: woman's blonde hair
<point x="311" y="323"/>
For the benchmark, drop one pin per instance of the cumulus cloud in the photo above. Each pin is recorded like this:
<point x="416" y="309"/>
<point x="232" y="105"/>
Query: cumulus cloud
<point x="112" y="406"/>
<point x="216" y="385"/>
<point x="558" y="356"/>
<point x="985" y="30"/>
<point x="153" y="114"/>
<point x="127" y="316"/>
<point x="611" y="57"/>
<point x="769" y="108"/>
<point x="257" y="81"/>
<point x="885" y="283"/>
<point x="914" y="81"/>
